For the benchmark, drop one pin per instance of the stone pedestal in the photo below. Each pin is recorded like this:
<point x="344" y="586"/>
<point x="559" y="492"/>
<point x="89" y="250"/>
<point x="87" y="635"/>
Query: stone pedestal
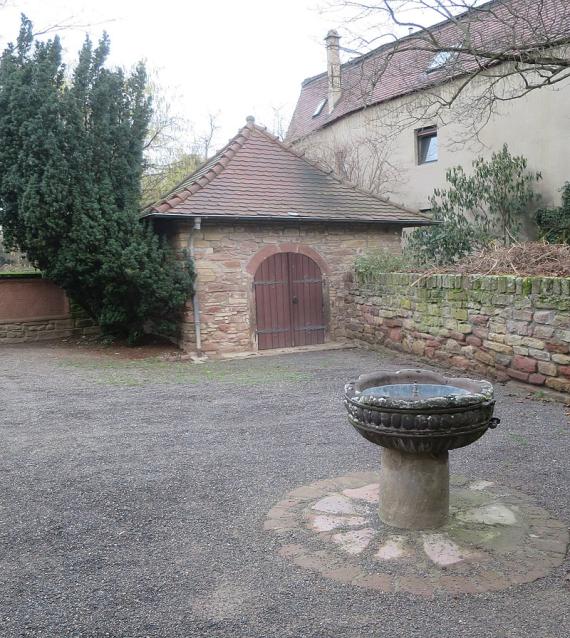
<point x="414" y="489"/>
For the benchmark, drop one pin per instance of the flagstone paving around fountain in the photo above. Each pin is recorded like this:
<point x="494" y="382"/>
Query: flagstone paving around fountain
<point x="496" y="538"/>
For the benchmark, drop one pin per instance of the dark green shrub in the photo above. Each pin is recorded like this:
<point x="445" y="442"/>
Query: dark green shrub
<point x="554" y="223"/>
<point x="71" y="159"/>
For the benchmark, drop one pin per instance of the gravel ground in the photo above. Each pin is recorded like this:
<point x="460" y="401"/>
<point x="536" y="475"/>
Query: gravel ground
<point x="134" y="495"/>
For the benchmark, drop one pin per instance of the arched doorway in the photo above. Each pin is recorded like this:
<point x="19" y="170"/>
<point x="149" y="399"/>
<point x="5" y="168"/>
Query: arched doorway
<point x="289" y="306"/>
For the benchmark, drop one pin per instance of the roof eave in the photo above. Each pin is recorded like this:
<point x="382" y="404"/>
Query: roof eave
<point x="292" y="218"/>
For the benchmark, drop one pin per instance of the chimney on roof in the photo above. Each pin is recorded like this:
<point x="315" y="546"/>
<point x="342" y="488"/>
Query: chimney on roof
<point x="333" y="68"/>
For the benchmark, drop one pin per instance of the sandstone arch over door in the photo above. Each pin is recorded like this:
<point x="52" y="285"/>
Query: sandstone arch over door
<point x="289" y="301"/>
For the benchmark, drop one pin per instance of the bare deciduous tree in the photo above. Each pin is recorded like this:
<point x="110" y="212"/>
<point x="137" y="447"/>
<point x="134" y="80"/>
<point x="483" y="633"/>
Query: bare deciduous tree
<point x="364" y="161"/>
<point x="280" y="120"/>
<point x="203" y="142"/>
<point x="493" y="51"/>
<point x="173" y="149"/>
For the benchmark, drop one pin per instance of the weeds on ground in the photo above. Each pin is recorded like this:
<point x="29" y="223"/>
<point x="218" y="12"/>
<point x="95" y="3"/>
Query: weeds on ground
<point x="106" y="371"/>
<point x="370" y="266"/>
<point x="517" y="438"/>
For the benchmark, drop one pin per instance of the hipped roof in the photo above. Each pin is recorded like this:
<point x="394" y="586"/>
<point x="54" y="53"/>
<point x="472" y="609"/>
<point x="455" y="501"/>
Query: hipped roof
<point x="256" y="177"/>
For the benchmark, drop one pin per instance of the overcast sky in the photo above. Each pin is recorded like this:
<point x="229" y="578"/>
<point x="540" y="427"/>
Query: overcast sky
<point x="233" y="58"/>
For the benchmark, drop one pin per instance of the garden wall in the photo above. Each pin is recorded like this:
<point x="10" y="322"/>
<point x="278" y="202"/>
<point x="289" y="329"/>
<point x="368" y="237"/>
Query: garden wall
<point x="507" y="327"/>
<point x="34" y="309"/>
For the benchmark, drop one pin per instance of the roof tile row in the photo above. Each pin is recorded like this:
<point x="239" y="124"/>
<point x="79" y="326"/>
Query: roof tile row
<point x="256" y="176"/>
<point x="402" y="67"/>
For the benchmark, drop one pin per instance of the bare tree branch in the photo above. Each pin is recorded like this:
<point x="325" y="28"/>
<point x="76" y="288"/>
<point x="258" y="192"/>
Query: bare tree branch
<point x="279" y="125"/>
<point x="203" y="143"/>
<point x="442" y="47"/>
<point x="173" y="149"/>
<point x="69" y="24"/>
<point x="364" y="160"/>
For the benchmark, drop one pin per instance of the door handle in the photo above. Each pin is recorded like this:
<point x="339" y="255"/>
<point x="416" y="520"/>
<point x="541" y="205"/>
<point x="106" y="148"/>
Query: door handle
<point x="295" y="300"/>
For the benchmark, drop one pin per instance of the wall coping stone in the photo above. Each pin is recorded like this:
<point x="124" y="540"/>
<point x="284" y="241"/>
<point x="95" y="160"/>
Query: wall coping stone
<point x="35" y="319"/>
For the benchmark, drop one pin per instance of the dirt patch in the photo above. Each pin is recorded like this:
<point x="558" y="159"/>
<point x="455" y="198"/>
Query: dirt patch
<point x="151" y="347"/>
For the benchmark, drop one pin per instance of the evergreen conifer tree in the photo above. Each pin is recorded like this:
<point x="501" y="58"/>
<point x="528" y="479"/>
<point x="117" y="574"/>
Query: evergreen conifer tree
<point x="71" y="160"/>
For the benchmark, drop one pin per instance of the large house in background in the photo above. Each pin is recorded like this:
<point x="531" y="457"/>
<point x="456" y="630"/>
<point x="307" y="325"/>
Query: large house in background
<point x="373" y="118"/>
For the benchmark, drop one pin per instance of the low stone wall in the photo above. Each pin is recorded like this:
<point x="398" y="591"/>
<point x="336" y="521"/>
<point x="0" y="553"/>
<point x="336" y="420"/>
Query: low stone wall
<point x="506" y="327"/>
<point x="34" y="309"/>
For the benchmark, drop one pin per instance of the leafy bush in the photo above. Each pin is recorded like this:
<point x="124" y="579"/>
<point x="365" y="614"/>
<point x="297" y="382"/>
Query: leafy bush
<point x="452" y="238"/>
<point x="476" y="210"/>
<point x="71" y="159"/>
<point x="370" y="265"/>
<point x="554" y="223"/>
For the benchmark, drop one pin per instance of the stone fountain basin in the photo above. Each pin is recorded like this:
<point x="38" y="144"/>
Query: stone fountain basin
<point x="419" y="411"/>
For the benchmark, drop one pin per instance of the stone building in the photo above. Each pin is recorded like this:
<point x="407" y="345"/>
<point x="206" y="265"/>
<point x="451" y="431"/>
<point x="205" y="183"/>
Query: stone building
<point x="272" y="237"/>
<point x="378" y="118"/>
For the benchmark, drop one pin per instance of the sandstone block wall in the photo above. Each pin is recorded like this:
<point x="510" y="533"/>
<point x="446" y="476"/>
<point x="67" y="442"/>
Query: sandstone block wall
<point x="34" y="309"/>
<point x="507" y="327"/>
<point x="225" y="260"/>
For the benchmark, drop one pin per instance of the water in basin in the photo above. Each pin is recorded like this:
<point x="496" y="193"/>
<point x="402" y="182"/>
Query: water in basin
<point x="414" y="391"/>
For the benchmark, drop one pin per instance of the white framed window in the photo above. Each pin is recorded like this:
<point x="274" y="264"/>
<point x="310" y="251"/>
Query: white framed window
<point x="427" y="145"/>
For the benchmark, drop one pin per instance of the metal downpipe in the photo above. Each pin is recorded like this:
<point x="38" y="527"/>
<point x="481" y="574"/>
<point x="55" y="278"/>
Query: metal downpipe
<point x="195" y="302"/>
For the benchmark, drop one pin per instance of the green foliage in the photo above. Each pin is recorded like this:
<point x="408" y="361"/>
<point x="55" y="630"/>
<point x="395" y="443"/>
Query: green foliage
<point x="20" y="274"/>
<point x="370" y="265"/>
<point x="451" y="239"/>
<point x="163" y="179"/>
<point x="4" y="257"/>
<point x="476" y="210"/>
<point x="554" y="223"/>
<point x="71" y="158"/>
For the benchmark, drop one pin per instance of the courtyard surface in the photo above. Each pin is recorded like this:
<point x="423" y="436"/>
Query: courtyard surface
<point x="135" y="497"/>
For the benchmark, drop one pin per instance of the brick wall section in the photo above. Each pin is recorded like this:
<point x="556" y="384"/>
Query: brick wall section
<point x="34" y="309"/>
<point x="507" y="327"/>
<point x="31" y="297"/>
<point x="226" y="255"/>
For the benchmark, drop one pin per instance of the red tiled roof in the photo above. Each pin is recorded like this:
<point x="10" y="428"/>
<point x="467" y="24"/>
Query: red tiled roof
<point x="399" y="68"/>
<point x="257" y="177"/>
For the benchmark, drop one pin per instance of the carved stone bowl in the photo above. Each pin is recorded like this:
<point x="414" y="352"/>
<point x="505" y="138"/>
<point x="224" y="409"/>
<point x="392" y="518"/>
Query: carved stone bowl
<point x="418" y="411"/>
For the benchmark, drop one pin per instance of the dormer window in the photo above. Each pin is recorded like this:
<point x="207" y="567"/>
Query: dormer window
<point x="440" y="59"/>
<point x="320" y="107"/>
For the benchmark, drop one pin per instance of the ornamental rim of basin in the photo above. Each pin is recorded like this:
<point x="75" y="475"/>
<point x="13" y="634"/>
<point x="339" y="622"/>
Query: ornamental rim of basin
<point x="423" y="422"/>
<point x="475" y="392"/>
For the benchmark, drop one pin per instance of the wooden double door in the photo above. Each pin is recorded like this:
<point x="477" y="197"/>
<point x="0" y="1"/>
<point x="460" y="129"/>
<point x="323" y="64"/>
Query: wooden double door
<point x="289" y="305"/>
